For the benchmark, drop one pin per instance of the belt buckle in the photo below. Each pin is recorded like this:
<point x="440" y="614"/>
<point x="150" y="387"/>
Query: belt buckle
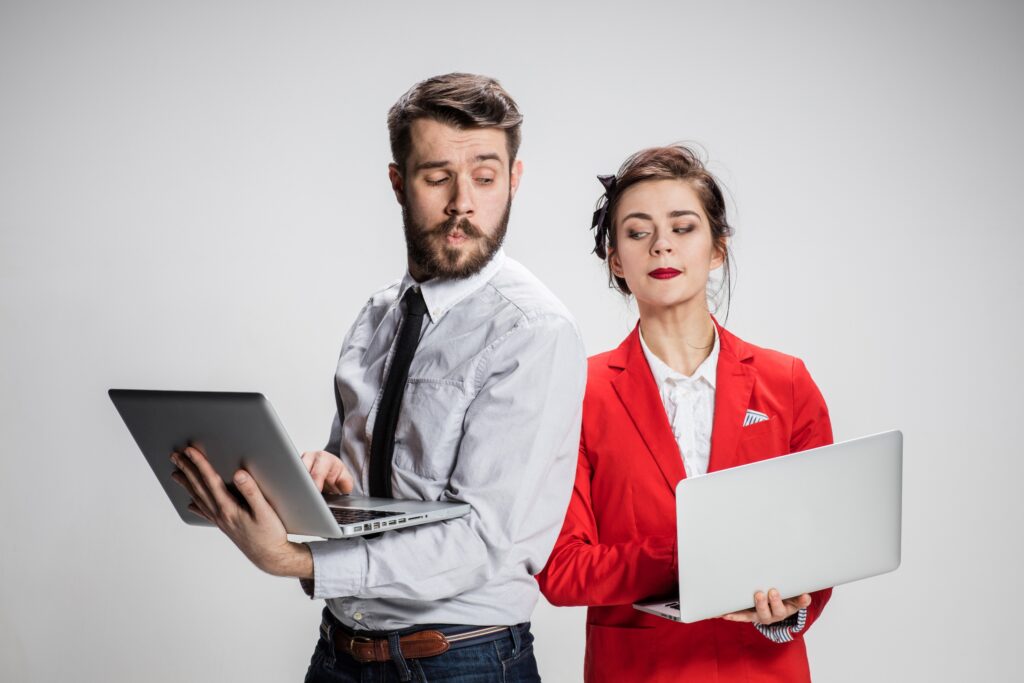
<point x="362" y="640"/>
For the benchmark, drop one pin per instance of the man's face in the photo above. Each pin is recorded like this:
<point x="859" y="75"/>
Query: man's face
<point x="456" y="193"/>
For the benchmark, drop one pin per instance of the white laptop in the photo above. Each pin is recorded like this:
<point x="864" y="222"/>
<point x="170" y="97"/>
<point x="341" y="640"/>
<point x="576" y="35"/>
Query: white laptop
<point x="798" y="523"/>
<point x="241" y="430"/>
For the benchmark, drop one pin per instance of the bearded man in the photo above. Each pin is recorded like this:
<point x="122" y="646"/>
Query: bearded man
<point x="486" y="412"/>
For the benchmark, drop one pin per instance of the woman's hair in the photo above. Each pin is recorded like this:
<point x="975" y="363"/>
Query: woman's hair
<point x="674" y="162"/>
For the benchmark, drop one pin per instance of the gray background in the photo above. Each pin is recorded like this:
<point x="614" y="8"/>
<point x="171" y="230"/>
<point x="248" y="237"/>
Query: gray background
<point x="194" y="195"/>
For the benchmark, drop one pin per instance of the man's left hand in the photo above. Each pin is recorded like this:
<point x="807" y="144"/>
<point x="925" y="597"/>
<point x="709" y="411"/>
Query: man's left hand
<point x="770" y="608"/>
<point x="257" y="531"/>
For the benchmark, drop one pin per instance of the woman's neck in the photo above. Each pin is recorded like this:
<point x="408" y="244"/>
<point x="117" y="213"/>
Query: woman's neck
<point x="681" y="336"/>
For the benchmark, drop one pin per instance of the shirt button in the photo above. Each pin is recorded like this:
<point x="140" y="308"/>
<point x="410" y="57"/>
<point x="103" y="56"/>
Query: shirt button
<point x="358" y="616"/>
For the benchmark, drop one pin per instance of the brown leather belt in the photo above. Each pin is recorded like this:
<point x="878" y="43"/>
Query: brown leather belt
<point x="426" y="643"/>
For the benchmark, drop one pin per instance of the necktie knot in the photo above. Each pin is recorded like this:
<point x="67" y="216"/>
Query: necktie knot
<point x="414" y="303"/>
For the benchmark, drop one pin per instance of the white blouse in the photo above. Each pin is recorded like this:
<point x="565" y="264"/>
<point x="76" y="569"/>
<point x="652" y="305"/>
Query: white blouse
<point x="689" y="404"/>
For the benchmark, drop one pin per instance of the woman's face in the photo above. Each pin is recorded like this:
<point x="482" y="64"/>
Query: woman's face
<point x="664" y="248"/>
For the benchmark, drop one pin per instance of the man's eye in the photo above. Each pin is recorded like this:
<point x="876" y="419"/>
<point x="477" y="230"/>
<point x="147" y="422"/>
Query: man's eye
<point x="485" y="181"/>
<point x="437" y="181"/>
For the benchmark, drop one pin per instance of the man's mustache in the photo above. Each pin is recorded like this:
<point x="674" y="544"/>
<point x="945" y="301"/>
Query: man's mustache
<point x="455" y="223"/>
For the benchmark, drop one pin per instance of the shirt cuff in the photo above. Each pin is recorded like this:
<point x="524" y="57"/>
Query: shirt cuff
<point x="783" y="631"/>
<point x="339" y="569"/>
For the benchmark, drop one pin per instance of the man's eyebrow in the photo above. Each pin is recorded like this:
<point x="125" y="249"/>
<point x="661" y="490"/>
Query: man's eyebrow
<point x="423" y="165"/>
<point x="442" y="163"/>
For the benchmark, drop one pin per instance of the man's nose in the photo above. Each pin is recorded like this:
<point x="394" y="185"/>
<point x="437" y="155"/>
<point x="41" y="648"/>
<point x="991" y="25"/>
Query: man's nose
<point x="461" y="201"/>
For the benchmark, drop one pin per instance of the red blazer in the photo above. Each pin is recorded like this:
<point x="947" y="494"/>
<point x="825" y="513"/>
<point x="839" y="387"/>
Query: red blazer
<point x="618" y="543"/>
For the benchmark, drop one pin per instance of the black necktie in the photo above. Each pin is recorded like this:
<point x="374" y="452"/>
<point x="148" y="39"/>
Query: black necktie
<point x="383" y="444"/>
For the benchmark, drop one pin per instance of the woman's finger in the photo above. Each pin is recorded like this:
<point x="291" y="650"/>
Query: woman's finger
<point x="778" y="608"/>
<point x="764" y="612"/>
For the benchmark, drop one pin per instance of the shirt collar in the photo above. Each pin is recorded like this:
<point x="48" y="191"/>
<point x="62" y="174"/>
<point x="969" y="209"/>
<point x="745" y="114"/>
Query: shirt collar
<point x="441" y="295"/>
<point x="662" y="372"/>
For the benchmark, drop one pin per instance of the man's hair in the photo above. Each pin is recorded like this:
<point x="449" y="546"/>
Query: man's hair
<point x="457" y="99"/>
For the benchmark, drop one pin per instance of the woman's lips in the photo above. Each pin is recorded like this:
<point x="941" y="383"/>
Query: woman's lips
<point x="664" y="273"/>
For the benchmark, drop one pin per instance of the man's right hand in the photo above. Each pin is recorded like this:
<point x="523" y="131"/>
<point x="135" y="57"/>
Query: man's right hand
<point x="328" y="471"/>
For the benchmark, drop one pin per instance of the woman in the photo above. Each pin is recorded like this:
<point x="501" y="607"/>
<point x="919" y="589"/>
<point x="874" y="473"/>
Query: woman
<point x="671" y="402"/>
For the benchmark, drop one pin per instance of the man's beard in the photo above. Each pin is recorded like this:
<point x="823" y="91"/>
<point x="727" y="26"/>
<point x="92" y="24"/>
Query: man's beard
<point x="434" y="258"/>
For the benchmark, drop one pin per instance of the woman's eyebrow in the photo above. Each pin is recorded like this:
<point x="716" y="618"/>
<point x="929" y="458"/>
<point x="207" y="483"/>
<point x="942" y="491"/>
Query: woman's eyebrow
<point x="637" y="214"/>
<point x="683" y="212"/>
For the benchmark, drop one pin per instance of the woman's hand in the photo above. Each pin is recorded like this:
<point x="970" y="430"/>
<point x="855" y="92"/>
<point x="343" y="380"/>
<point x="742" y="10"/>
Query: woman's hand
<point x="770" y="608"/>
<point x="328" y="471"/>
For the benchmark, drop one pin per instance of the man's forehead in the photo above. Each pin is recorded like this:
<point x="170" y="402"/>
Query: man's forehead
<point x="436" y="141"/>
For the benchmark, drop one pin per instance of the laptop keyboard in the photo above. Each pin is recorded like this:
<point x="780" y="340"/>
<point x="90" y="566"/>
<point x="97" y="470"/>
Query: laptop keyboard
<point x="356" y="515"/>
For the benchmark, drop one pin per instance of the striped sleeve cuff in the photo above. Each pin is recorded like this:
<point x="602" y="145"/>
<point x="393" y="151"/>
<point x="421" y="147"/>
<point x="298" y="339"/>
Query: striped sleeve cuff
<point x="783" y="631"/>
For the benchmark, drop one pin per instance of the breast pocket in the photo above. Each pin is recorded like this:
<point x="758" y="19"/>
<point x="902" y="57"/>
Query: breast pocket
<point x="762" y="440"/>
<point x="429" y="427"/>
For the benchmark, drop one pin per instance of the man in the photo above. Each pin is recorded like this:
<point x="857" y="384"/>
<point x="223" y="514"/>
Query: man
<point x="490" y="415"/>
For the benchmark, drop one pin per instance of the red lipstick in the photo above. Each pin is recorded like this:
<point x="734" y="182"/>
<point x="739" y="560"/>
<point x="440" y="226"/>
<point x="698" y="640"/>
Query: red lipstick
<point x="664" y="273"/>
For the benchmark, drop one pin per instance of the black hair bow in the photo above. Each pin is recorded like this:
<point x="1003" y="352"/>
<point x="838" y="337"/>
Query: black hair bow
<point x="600" y="223"/>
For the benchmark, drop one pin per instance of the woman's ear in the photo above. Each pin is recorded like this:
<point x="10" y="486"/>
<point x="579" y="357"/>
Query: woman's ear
<point x="720" y="250"/>
<point x="615" y="263"/>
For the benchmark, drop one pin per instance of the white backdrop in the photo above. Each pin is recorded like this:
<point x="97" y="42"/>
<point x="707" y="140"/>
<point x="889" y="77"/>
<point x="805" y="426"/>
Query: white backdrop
<point x="194" y="195"/>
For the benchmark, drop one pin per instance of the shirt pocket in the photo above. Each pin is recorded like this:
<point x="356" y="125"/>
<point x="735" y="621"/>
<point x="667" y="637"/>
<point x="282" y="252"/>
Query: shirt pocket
<point x="429" y="427"/>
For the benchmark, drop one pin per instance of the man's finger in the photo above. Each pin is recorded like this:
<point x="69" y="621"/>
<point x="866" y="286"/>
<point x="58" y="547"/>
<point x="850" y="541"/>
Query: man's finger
<point x="308" y="458"/>
<point x="339" y="480"/>
<point x="195" y="482"/>
<point x="252" y="494"/>
<point x="320" y="471"/>
<point x="214" y="484"/>
<point x="343" y="482"/>
<point x="192" y="507"/>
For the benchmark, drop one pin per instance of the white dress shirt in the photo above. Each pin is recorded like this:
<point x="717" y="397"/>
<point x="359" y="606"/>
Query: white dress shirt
<point x="491" y="417"/>
<point x="689" y="404"/>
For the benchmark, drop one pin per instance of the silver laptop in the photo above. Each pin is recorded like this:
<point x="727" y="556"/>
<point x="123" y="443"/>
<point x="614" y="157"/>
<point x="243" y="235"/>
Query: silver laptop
<point x="798" y="523"/>
<point x="241" y="430"/>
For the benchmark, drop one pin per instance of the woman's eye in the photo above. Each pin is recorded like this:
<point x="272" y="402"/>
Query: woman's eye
<point x="682" y="229"/>
<point x="637" y="235"/>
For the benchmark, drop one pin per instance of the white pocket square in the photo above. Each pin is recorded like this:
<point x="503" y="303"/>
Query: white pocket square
<point x="753" y="417"/>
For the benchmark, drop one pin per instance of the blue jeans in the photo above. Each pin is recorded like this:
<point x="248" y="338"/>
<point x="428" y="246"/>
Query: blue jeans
<point x="506" y="660"/>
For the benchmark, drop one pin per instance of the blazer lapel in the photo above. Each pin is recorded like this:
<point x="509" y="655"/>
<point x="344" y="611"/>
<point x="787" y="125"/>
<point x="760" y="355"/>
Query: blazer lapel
<point x="639" y="394"/>
<point x="734" y="384"/>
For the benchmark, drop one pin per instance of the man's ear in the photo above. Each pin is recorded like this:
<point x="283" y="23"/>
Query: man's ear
<point x="397" y="183"/>
<point x="516" y="176"/>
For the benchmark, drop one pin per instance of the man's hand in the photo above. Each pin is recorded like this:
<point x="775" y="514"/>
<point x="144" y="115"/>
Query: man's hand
<point x="328" y="471"/>
<point x="257" y="531"/>
<point x="770" y="608"/>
